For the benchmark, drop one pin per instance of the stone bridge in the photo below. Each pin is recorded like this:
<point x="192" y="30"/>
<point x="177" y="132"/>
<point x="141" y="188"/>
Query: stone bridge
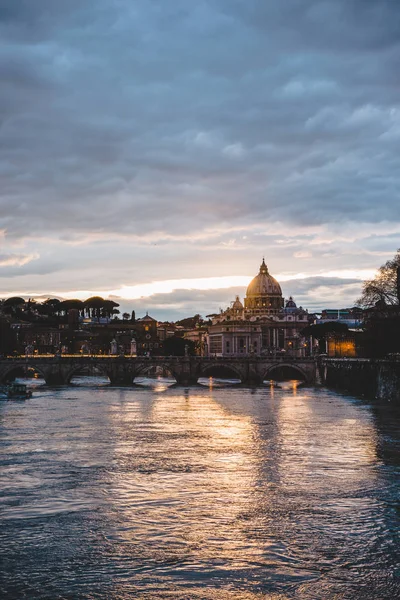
<point x="122" y="370"/>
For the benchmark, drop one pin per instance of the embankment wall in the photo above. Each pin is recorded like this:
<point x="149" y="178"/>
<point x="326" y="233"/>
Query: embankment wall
<point x="374" y="378"/>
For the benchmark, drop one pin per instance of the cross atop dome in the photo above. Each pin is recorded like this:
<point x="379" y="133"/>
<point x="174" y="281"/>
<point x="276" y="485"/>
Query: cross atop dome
<point x="263" y="268"/>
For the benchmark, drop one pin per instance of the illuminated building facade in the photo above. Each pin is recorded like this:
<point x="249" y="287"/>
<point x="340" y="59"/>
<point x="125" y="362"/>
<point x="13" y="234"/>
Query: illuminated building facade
<point x="264" y="324"/>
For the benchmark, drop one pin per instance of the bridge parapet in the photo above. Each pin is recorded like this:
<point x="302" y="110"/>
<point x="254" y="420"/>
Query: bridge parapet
<point x="58" y="370"/>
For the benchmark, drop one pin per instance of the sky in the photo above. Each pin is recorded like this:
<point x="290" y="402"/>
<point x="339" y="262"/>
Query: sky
<point x="155" y="151"/>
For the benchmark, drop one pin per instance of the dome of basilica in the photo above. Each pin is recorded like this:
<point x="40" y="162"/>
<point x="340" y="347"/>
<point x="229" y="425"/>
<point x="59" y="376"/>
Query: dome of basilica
<point x="237" y="305"/>
<point x="291" y="303"/>
<point x="263" y="284"/>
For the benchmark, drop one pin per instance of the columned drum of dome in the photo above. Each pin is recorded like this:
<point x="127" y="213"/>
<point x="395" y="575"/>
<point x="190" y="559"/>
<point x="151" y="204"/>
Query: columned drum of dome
<point x="264" y="294"/>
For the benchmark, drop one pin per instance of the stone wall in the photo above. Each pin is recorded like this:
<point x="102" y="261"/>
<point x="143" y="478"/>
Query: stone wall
<point x="373" y="378"/>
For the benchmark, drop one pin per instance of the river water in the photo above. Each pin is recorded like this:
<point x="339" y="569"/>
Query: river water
<point x="207" y="492"/>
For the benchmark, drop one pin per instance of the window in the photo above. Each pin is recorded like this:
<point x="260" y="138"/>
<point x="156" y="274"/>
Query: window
<point x="216" y="344"/>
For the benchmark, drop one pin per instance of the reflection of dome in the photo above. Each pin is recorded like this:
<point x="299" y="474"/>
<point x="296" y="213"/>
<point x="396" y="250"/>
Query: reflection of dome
<point x="263" y="284"/>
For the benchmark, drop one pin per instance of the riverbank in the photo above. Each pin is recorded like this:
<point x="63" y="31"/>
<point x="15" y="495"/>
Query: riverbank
<point x="374" y="378"/>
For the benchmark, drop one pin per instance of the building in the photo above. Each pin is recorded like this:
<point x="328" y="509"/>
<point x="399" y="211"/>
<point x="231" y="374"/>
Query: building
<point x="263" y="324"/>
<point x="146" y="335"/>
<point x="352" y="317"/>
<point x="199" y="337"/>
<point x="341" y="345"/>
<point x="135" y="336"/>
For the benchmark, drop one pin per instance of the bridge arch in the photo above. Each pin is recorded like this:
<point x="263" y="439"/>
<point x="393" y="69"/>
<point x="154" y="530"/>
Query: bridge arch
<point x="225" y="371"/>
<point x="79" y="369"/>
<point x="286" y="371"/>
<point x="17" y="368"/>
<point x="142" y="369"/>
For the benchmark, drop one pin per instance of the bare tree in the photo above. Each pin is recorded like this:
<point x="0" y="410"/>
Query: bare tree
<point x="384" y="287"/>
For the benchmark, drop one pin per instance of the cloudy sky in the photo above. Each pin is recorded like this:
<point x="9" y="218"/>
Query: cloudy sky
<point x="156" y="150"/>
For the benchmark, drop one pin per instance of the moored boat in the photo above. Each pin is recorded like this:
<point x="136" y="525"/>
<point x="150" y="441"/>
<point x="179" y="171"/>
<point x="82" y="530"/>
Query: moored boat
<point x="18" y="391"/>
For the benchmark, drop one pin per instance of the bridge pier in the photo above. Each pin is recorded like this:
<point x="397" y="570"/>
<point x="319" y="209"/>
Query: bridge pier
<point x="252" y="379"/>
<point x="55" y="379"/>
<point x="121" y="379"/>
<point x="120" y="372"/>
<point x="185" y="379"/>
<point x="185" y="372"/>
<point x="252" y="376"/>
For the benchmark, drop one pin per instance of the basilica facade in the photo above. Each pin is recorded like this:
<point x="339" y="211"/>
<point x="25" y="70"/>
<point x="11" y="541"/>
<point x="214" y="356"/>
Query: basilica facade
<point x="263" y="325"/>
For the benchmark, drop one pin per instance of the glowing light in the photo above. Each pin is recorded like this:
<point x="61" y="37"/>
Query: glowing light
<point x="168" y="286"/>
<point x="360" y="274"/>
<point x="145" y="290"/>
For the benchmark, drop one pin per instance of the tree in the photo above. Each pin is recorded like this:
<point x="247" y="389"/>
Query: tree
<point x="126" y="316"/>
<point x="8" y="338"/>
<point x="93" y="306"/>
<point x="384" y="287"/>
<point x="321" y="331"/>
<point x="53" y="302"/>
<point x="381" y="298"/>
<point x="108" y="308"/>
<point x="67" y="305"/>
<point x="191" y="322"/>
<point x="381" y="335"/>
<point x="13" y="305"/>
<point x="14" y="301"/>
<point x="50" y="306"/>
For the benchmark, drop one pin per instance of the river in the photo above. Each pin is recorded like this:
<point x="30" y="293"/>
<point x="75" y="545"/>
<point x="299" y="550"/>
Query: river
<point x="212" y="492"/>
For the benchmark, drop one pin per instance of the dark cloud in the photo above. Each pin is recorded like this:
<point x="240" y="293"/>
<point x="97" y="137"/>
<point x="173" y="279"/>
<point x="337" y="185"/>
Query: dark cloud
<point x="122" y="110"/>
<point x="157" y="119"/>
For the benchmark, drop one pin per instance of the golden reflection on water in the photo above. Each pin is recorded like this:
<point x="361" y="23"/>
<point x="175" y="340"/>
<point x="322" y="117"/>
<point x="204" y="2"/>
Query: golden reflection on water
<point x="191" y="463"/>
<point x="205" y="482"/>
<point x="199" y="493"/>
<point x="161" y="385"/>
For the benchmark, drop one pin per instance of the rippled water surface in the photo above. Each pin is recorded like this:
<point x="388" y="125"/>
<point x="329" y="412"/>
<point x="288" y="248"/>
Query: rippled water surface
<point x="223" y="493"/>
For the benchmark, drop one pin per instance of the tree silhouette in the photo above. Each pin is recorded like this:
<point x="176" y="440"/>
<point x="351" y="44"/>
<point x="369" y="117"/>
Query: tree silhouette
<point x="384" y="287"/>
<point x="175" y="346"/>
<point x="13" y="305"/>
